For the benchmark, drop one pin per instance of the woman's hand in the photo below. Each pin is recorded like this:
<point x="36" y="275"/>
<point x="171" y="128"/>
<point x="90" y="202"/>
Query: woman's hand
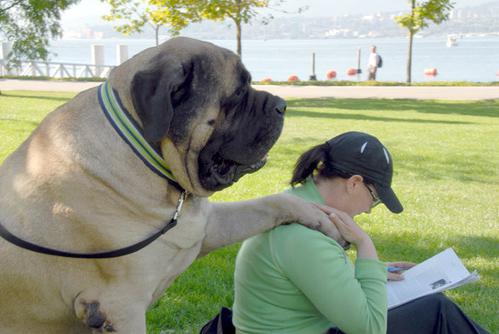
<point x="397" y="275"/>
<point x="347" y="227"/>
<point x="352" y="233"/>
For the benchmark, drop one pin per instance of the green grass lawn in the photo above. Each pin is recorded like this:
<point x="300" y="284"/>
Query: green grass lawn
<point x="446" y="174"/>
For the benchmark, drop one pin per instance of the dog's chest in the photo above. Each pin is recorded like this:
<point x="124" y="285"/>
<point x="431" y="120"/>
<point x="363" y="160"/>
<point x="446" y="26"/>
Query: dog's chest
<point x="190" y="228"/>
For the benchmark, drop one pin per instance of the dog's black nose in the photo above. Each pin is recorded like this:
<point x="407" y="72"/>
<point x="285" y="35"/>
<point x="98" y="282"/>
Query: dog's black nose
<point x="280" y="106"/>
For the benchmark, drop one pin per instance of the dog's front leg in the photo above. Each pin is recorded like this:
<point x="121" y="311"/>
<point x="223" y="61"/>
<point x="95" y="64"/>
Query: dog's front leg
<point x="232" y="222"/>
<point x="110" y="312"/>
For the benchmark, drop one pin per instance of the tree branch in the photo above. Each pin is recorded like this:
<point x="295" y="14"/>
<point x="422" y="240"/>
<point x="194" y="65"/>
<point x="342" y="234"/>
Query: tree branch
<point x="15" y="3"/>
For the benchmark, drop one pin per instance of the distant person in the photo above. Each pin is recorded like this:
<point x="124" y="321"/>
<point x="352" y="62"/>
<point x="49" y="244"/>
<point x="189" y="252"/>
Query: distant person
<point x="375" y="62"/>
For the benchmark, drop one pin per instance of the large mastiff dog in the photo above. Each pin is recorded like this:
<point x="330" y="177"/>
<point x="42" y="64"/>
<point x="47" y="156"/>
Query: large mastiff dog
<point x="75" y="185"/>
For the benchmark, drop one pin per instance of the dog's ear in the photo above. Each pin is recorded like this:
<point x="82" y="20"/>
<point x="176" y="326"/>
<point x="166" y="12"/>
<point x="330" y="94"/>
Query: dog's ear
<point x="151" y="92"/>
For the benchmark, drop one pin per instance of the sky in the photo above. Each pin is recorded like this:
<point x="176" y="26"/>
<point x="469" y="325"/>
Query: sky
<point x="89" y="12"/>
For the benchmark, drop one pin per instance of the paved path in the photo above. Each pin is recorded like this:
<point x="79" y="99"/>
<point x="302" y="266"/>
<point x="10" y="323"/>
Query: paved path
<point x="443" y="93"/>
<point x="386" y="92"/>
<point x="56" y="86"/>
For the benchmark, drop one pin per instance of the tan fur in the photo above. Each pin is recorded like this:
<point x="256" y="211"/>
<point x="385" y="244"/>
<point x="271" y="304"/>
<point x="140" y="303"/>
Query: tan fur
<point x="74" y="185"/>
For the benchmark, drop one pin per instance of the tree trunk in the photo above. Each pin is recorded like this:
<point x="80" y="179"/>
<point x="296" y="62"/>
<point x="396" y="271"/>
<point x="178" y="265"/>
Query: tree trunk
<point x="411" y="36"/>
<point x="238" y="21"/>
<point x="156" y="33"/>
<point x="238" y="36"/>
<point x="409" y="57"/>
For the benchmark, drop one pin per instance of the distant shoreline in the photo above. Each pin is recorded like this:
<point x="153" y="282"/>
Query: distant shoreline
<point x="162" y="38"/>
<point x="318" y="83"/>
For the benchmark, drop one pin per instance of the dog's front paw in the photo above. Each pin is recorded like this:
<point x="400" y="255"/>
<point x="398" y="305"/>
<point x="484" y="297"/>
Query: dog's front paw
<point x="331" y="231"/>
<point x="311" y="216"/>
<point x="94" y="318"/>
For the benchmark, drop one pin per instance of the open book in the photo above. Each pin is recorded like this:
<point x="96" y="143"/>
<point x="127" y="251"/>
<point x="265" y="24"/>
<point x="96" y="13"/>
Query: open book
<point x="441" y="272"/>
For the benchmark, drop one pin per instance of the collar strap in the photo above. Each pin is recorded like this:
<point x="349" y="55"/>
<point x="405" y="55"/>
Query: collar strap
<point x="4" y="233"/>
<point x="130" y="132"/>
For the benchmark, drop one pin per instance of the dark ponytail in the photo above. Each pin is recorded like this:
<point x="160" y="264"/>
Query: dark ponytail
<point x="317" y="159"/>
<point x="308" y="162"/>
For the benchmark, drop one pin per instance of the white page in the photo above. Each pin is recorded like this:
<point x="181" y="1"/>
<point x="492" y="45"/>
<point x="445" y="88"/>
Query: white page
<point x="440" y="272"/>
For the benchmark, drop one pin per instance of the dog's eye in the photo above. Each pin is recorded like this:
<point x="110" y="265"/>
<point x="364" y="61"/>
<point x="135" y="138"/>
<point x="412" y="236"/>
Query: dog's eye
<point x="179" y="94"/>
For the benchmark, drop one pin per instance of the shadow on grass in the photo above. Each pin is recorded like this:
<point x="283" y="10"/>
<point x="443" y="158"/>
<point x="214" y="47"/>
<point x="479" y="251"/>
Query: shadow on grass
<point x="316" y="114"/>
<point x="34" y="96"/>
<point x="418" y="250"/>
<point x="476" y="246"/>
<point x="476" y="168"/>
<point x="485" y="108"/>
<point x="300" y="141"/>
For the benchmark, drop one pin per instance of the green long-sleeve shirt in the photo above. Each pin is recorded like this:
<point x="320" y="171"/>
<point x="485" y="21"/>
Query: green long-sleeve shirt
<point x="295" y="280"/>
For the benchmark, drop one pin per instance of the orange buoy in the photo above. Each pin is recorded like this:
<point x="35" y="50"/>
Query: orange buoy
<point x="267" y="80"/>
<point x="293" y="78"/>
<point x="351" y="71"/>
<point x="431" y="71"/>
<point x="331" y="74"/>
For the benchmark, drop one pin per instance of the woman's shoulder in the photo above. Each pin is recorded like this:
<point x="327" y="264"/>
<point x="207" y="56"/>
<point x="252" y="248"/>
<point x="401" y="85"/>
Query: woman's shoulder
<point x="297" y="234"/>
<point x="295" y="246"/>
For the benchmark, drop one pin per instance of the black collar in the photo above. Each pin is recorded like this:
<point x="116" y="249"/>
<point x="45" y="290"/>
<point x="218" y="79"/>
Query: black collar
<point x="132" y="134"/>
<point x="4" y="233"/>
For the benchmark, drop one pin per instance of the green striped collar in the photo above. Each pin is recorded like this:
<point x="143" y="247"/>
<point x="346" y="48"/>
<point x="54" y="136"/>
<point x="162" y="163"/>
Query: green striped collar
<point x="130" y="132"/>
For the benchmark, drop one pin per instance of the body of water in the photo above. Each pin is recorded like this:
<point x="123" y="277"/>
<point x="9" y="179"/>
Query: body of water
<point x="473" y="59"/>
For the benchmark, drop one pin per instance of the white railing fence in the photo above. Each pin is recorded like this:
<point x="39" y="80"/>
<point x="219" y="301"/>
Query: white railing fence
<point x="59" y="69"/>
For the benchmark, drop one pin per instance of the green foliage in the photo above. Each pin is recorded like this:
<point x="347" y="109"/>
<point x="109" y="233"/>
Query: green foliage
<point x="130" y="11"/>
<point x="132" y="16"/>
<point x="446" y="175"/>
<point x="239" y="11"/>
<point x="436" y="11"/>
<point x="30" y="24"/>
<point x="174" y="13"/>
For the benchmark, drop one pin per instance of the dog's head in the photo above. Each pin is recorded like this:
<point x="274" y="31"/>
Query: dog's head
<point x="195" y="100"/>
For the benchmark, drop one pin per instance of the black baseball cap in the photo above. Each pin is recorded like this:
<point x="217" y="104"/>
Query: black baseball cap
<point x="358" y="153"/>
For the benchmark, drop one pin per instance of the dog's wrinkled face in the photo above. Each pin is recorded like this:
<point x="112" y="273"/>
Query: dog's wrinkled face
<point x="248" y="125"/>
<point x="197" y="97"/>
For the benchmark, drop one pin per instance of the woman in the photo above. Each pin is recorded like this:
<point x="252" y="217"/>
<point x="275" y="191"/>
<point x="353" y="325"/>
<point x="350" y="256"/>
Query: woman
<point x="296" y="280"/>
